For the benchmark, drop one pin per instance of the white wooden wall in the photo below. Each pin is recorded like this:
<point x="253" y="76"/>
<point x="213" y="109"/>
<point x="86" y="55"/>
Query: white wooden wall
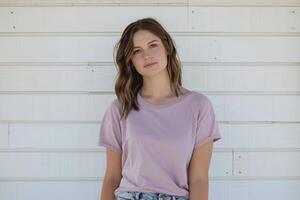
<point x="57" y="78"/>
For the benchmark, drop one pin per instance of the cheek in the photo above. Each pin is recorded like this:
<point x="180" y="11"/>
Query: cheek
<point x="137" y="62"/>
<point x="161" y="54"/>
<point x="162" y="58"/>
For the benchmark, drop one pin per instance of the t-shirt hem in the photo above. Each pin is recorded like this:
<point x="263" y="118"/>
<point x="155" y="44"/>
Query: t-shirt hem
<point x="212" y="137"/>
<point x="109" y="146"/>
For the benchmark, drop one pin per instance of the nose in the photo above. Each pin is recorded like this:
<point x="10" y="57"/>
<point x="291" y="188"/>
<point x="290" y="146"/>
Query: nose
<point x="147" y="54"/>
<point x="147" y="57"/>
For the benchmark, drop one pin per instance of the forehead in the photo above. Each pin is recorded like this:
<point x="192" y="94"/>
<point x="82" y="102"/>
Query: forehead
<point x="143" y="37"/>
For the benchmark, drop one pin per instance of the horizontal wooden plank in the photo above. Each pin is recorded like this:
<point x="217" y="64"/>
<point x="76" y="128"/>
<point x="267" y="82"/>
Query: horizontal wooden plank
<point x="50" y="190"/>
<point x="245" y="2"/>
<point x="93" y="19"/>
<point x="85" y="135"/>
<point x="260" y="136"/>
<point x="102" y="78"/>
<point x="250" y="19"/>
<point x="148" y="2"/>
<point x="266" y="164"/>
<point x="91" y="107"/>
<point x="52" y="164"/>
<point x="190" y="48"/>
<point x="54" y="135"/>
<point x="88" y="19"/>
<point x="90" y="190"/>
<point x="57" y="107"/>
<point x="78" y="164"/>
<point x="252" y="189"/>
<point x="242" y="78"/>
<point x="257" y="107"/>
<point x="46" y="78"/>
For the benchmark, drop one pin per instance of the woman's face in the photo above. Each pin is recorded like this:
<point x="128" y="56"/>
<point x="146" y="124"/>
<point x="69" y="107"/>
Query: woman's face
<point x="148" y="48"/>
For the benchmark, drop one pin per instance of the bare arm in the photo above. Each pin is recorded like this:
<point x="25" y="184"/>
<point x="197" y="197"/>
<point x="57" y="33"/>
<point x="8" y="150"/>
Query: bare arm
<point x="108" y="188"/>
<point x="113" y="174"/>
<point x="199" y="190"/>
<point x="198" y="171"/>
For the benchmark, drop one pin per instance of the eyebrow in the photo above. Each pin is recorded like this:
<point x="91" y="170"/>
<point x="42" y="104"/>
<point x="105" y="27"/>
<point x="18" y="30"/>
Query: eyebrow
<point x="148" y="43"/>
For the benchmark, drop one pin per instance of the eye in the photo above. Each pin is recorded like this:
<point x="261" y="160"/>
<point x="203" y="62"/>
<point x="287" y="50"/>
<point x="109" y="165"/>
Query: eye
<point x="152" y="45"/>
<point x="134" y="52"/>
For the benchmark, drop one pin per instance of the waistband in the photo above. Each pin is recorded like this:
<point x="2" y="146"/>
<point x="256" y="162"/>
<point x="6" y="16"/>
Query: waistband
<point x="132" y="195"/>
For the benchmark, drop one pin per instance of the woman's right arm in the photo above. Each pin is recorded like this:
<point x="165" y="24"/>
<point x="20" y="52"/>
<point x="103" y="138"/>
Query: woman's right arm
<point x="113" y="174"/>
<point x="108" y="188"/>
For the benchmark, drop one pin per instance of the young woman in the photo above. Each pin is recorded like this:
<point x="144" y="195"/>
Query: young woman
<point x="158" y="135"/>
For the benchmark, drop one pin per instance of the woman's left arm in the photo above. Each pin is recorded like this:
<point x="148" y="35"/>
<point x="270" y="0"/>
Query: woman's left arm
<point x="198" y="171"/>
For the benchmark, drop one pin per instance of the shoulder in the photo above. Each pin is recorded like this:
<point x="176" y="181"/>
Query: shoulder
<point x="114" y="107"/>
<point x="115" y="103"/>
<point x="201" y="105"/>
<point x="200" y="100"/>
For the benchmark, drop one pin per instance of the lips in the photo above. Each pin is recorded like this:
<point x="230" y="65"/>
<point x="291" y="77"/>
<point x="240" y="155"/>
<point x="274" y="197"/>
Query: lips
<point x="150" y="64"/>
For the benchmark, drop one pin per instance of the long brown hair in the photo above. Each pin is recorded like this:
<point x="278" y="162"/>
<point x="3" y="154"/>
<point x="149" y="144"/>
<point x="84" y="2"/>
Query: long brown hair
<point x="129" y="81"/>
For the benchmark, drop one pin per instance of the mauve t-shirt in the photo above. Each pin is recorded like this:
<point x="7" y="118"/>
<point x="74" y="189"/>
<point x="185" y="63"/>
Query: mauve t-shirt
<point x="157" y="142"/>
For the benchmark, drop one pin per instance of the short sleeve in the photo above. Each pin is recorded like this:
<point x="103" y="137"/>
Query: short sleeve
<point x="110" y="131"/>
<point x="207" y="126"/>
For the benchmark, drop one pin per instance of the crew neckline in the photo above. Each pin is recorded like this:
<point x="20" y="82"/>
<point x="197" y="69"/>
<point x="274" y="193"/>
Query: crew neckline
<point x="164" y="105"/>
